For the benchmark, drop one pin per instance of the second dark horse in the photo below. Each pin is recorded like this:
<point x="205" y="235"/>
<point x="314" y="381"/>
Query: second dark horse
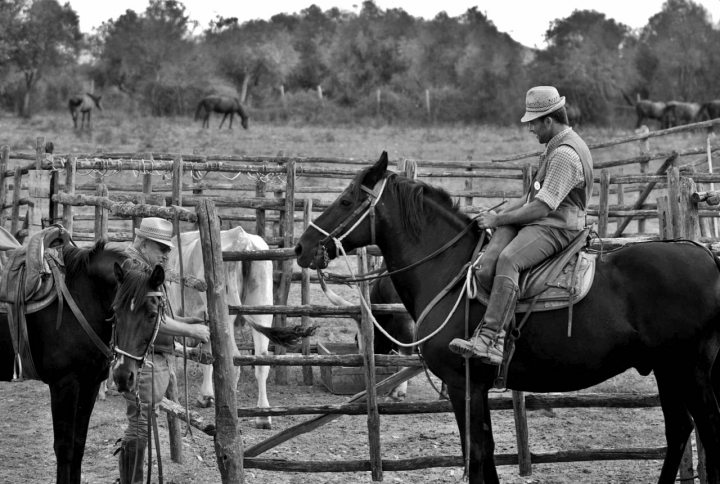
<point x="223" y="105"/>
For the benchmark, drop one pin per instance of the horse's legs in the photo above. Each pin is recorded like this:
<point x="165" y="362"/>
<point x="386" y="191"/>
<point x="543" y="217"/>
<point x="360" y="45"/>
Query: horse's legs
<point x="231" y="119"/>
<point x="702" y="403"/>
<point x="223" y="120"/>
<point x="678" y="424"/>
<point x="71" y="403"/>
<point x="207" y="395"/>
<point x="482" y="464"/>
<point x="261" y="343"/>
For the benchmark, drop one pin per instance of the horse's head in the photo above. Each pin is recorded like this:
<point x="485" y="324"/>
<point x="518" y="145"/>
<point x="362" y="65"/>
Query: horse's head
<point x="139" y="306"/>
<point x="346" y="219"/>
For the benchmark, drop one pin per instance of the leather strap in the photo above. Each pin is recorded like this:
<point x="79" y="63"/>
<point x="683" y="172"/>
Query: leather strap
<point x="83" y="322"/>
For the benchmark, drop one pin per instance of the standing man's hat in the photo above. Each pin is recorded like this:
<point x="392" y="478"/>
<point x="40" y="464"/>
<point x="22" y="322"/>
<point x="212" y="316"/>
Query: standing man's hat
<point x="156" y="229"/>
<point x="541" y="100"/>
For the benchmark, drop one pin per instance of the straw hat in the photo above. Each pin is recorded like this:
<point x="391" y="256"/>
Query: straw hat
<point x="156" y="229"/>
<point x="541" y="100"/>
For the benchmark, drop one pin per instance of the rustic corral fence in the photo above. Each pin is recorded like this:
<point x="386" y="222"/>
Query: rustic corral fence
<point x="685" y="210"/>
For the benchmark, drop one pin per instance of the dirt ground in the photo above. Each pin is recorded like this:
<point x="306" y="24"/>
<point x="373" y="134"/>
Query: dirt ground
<point x="26" y="454"/>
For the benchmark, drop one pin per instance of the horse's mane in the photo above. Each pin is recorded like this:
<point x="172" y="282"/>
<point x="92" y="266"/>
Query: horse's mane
<point x="410" y="195"/>
<point x="133" y="288"/>
<point x="77" y="260"/>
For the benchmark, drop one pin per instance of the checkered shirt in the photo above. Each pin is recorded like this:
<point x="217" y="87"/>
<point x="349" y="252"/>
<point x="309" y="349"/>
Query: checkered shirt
<point x="564" y="172"/>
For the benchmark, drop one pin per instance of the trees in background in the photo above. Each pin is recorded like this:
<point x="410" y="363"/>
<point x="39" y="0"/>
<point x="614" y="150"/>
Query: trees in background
<point x="35" y="38"/>
<point x="162" y="63"/>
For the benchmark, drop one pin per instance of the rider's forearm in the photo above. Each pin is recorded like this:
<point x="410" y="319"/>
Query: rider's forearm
<point x="526" y="214"/>
<point x="514" y="205"/>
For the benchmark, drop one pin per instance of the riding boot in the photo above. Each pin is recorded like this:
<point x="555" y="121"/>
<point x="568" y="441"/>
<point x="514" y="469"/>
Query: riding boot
<point x="488" y="340"/>
<point x="130" y="473"/>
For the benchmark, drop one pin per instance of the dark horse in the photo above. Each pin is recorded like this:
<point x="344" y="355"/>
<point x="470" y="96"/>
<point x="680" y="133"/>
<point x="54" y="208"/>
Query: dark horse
<point x="66" y="358"/>
<point x="654" y="307"/>
<point x="83" y="103"/>
<point x="224" y="105"/>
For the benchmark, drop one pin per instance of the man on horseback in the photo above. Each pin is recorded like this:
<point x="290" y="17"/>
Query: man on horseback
<point x="150" y="248"/>
<point x="542" y="223"/>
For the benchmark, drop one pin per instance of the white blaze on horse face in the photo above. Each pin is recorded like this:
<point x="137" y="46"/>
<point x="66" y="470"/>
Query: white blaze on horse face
<point x="119" y="360"/>
<point x="257" y="289"/>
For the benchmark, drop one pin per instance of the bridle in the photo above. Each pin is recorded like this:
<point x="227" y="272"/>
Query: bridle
<point x="158" y="320"/>
<point x="367" y="206"/>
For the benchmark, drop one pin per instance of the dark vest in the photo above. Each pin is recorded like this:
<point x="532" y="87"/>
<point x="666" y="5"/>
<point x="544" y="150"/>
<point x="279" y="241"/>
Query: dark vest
<point x="570" y="214"/>
<point x="163" y="343"/>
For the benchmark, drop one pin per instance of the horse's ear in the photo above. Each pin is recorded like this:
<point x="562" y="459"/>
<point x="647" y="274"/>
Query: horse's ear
<point x="377" y="171"/>
<point x="157" y="277"/>
<point x="119" y="273"/>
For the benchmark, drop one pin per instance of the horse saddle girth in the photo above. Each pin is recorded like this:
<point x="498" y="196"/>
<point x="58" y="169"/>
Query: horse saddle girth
<point x="556" y="281"/>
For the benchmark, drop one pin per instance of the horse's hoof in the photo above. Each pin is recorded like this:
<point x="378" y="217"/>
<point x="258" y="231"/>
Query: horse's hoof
<point x="396" y="397"/>
<point x="101" y="396"/>
<point x="263" y="423"/>
<point x="205" y="401"/>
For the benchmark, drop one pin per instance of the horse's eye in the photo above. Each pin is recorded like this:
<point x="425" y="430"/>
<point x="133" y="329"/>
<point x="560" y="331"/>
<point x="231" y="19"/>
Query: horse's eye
<point x="345" y="203"/>
<point x="152" y="316"/>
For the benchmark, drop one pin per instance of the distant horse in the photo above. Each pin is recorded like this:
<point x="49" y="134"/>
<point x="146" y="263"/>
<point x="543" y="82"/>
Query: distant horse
<point x="679" y="113"/>
<point x="574" y="114"/>
<point x="224" y="105"/>
<point x="83" y="103"/>
<point x="65" y="357"/>
<point x="710" y="110"/>
<point x="646" y="109"/>
<point x="653" y="306"/>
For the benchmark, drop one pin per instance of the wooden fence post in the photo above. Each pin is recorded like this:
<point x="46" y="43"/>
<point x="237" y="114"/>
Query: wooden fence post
<point x="288" y="234"/>
<point x="521" y="433"/>
<point x="38" y="188"/>
<point x="673" y="190"/>
<point x="305" y="297"/>
<point x="665" y="225"/>
<point x="368" y="352"/>
<point x="228" y="441"/>
<point x="17" y="192"/>
<point x="468" y="183"/>
<point x="4" y="158"/>
<point x="172" y="392"/>
<point x="712" y="185"/>
<point x="527" y="176"/>
<point x="70" y="172"/>
<point x="604" y="202"/>
<point x="101" y="215"/>
<point x="644" y="165"/>
<point x="147" y="191"/>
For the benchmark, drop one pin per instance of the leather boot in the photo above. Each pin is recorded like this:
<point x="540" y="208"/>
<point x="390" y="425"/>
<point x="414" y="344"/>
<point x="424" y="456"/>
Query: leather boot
<point x="126" y="460"/>
<point x="488" y="340"/>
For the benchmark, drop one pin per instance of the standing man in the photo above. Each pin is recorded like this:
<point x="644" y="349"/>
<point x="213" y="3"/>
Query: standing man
<point x="542" y="223"/>
<point x="150" y="248"/>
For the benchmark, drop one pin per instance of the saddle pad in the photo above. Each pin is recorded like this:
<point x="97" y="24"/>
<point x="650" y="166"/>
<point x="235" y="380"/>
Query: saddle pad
<point x="555" y="296"/>
<point x="32" y="306"/>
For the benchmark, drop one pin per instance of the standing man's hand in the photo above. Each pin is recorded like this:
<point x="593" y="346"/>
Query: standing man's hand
<point x="202" y="333"/>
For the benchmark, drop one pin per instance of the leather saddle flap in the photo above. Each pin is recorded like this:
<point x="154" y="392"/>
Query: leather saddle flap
<point x="27" y="269"/>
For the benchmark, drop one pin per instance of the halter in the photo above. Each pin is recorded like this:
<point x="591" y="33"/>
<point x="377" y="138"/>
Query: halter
<point x="158" y="319"/>
<point x="368" y="205"/>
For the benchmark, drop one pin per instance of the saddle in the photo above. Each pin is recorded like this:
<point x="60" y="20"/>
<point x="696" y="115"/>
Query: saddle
<point x="28" y="284"/>
<point x="557" y="282"/>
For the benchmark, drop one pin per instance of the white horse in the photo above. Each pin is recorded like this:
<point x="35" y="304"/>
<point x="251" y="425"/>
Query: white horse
<point x="248" y="283"/>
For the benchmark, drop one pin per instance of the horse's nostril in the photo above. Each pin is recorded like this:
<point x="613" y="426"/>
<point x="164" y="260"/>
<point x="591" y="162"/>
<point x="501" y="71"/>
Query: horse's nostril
<point x="298" y="249"/>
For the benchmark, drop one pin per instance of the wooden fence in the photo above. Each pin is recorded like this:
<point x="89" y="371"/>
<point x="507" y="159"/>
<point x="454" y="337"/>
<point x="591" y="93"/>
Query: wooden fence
<point x="46" y="192"/>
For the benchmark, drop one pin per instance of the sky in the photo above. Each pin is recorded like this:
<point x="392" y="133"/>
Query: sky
<point x="526" y="21"/>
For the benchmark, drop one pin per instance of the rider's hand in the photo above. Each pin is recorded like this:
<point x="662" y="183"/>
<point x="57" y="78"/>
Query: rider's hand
<point x="487" y="220"/>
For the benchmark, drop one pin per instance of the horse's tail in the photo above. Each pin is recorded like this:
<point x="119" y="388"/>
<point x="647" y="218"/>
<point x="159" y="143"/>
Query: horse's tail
<point x="289" y="338"/>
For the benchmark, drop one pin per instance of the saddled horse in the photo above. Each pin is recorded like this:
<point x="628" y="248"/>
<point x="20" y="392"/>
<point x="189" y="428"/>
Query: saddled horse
<point x="223" y="105"/>
<point x="84" y="104"/>
<point x="654" y="307"/>
<point x="247" y="283"/>
<point x="65" y="357"/>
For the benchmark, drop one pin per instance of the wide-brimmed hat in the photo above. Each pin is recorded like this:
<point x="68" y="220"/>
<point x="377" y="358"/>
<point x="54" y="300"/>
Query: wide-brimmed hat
<point x="156" y="229"/>
<point x="541" y="100"/>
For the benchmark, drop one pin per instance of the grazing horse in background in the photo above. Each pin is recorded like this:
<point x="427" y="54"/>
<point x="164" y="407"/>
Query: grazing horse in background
<point x="646" y="109"/>
<point x="248" y="283"/>
<point x="679" y="113"/>
<point x="574" y="114"/>
<point x="710" y="110"/>
<point x="65" y="357"/>
<point x="83" y="103"/>
<point x="653" y="306"/>
<point x="223" y="105"/>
